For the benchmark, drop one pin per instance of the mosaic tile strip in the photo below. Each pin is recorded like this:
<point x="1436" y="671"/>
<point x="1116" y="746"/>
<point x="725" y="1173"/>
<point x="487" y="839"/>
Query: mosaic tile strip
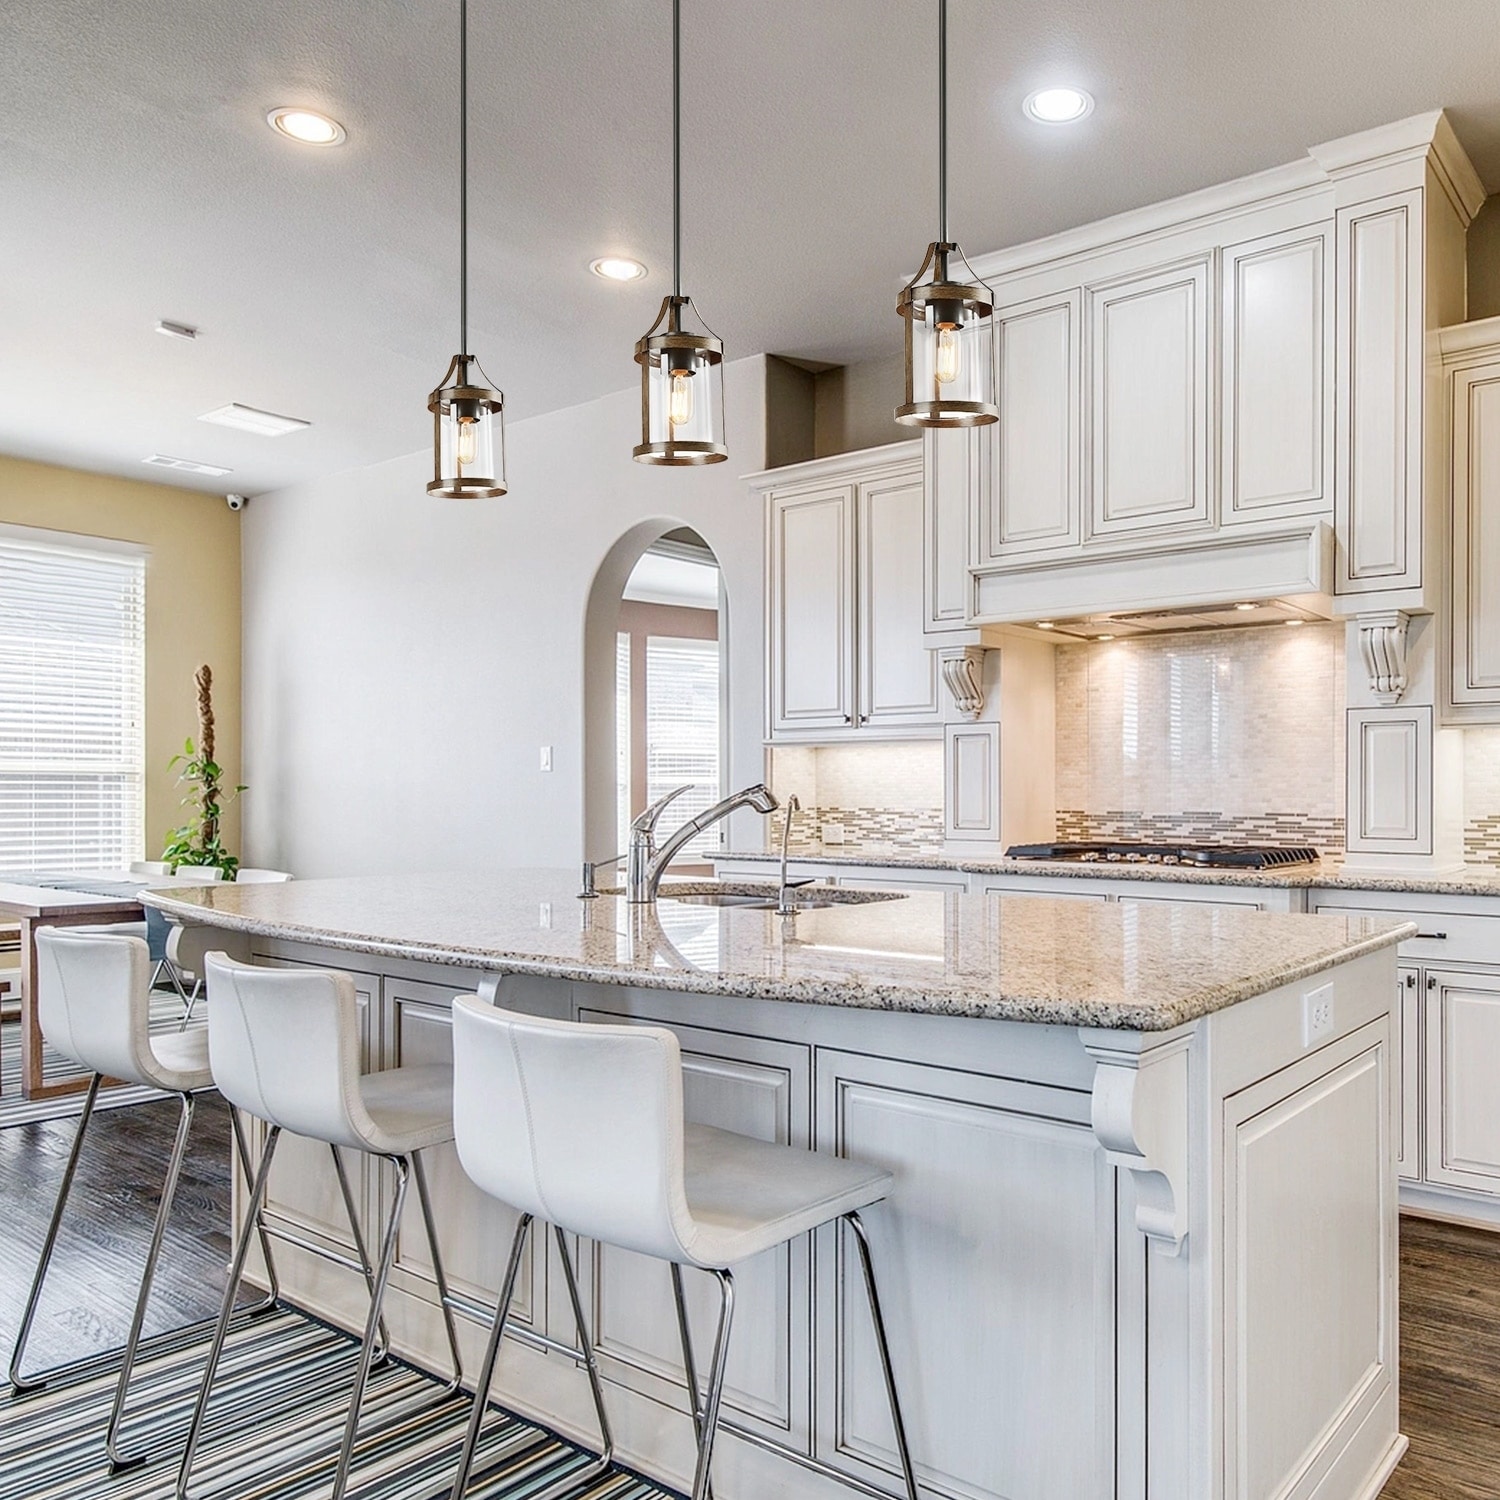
<point x="1482" y="840"/>
<point x="1324" y="834"/>
<point x="883" y="828"/>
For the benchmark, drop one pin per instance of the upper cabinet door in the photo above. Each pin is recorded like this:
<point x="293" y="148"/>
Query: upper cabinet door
<point x="1278" y="377"/>
<point x="955" y="478"/>
<point x="811" y="635"/>
<point x="1149" y="390"/>
<point x="1476" y="537"/>
<point x="1034" y="504"/>
<point x="1378" y="493"/>
<point x="898" y="679"/>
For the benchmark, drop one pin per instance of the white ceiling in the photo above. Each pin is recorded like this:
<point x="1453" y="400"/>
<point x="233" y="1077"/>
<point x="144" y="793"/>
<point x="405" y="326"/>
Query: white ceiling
<point x="139" y="181"/>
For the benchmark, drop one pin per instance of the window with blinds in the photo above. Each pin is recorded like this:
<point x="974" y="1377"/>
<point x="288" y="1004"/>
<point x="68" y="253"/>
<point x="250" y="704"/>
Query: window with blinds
<point x="682" y="732"/>
<point x="72" y="706"/>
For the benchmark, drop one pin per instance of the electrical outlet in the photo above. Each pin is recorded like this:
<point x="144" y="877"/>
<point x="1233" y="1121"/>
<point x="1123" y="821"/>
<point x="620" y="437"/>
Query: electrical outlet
<point x="546" y="757"/>
<point x="1317" y="1014"/>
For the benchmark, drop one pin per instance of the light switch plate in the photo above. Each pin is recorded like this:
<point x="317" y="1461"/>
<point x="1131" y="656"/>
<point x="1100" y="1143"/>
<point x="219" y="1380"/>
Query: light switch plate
<point x="546" y="757"/>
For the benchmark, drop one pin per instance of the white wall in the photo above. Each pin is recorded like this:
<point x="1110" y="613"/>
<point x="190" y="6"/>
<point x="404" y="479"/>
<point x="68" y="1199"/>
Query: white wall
<point x="405" y="658"/>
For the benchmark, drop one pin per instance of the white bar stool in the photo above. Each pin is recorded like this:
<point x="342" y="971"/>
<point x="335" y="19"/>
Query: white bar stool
<point x="284" y="1047"/>
<point x="582" y="1126"/>
<point x="94" y="1004"/>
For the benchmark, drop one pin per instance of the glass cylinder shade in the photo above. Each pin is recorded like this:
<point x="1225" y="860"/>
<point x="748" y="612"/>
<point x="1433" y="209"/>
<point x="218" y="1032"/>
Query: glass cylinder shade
<point x="682" y="391"/>
<point x="950" y="354"/>
<point x="468" y="434"/>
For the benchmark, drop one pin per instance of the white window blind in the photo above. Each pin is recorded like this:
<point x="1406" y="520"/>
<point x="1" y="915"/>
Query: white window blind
<point x="682" y="732"/>
<point x="72" y="706"/>
<point x="622" y="740"/>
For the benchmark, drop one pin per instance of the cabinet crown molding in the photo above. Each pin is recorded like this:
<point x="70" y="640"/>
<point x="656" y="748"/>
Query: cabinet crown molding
<point x="863" y="462"/>
<point x="1458" y="340"/>
<point x="1430" y="134"/>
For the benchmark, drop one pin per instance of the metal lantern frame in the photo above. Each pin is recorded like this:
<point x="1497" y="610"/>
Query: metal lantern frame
<point x="936" y="300"/>
<point x="668" y="336"/>
<point x="458" y="394"/>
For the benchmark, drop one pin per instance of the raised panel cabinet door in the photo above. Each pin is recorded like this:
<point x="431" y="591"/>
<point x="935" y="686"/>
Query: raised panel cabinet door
<point x="1037" y="489"/>
<point x="1277" y="384"/>
<point x="898" y="673"/>
<point x="995" y="1252"/>
<point x="1407" y="1073"/>
<point x="1463" y="1060"/>
<point x="812" y="609"/>
<point x="1476" y="536"/>
<point x="955" y="488"/>
<point x="474" y="1231"/>
<point x="1378" y="407"/>
<point x="755" y="1087"/>
<point x="1149" y="401"/>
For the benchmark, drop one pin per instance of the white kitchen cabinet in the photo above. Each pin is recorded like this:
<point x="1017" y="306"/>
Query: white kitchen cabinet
<point x="847" y="600"/>
<point x="1472" y="353"/>
<point x="1463" y="1104"/>
<point x="1276" y="387"/>
<point x="1035" y="501"/>
<point x="1149" y="400"/>
<point x="811" y="594"/>
<point x="955" y="483"/>
<point x="1407" y="1074"/>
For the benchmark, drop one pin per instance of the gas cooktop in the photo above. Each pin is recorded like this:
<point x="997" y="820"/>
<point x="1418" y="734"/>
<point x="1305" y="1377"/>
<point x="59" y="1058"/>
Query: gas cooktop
<point x="1200" y="856"/>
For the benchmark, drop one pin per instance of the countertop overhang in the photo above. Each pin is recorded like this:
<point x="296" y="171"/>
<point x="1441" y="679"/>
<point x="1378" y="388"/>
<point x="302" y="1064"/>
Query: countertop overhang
<point x="1028" y="958"/>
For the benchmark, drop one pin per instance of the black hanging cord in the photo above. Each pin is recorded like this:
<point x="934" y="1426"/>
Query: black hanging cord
<point x="677" y="148"/>
<point x="943" y="121"/>
<point x="463" y="177"/>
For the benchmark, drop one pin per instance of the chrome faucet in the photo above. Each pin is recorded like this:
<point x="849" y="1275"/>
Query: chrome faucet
<point x="784" y="897"/>
<point x="647" y="863"/>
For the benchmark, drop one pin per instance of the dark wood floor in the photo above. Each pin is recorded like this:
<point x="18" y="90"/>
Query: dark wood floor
<point x="96" y="1269"/>
<point x="1450" y="1280"/>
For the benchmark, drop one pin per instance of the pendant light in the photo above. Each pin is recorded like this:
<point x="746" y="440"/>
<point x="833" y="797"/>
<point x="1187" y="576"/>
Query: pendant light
<point x="950" y="366"/>
<point x="682" y="367"/>
<point x="468" y="418"/>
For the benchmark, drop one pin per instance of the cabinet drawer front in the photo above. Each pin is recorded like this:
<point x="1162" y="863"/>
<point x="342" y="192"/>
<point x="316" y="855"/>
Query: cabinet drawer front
<point x="1149" y="401"/>
<point x="1441" y="936"/>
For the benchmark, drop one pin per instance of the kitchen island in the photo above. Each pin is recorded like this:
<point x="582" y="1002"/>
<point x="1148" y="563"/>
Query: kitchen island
<point x="1143" y="1237"/>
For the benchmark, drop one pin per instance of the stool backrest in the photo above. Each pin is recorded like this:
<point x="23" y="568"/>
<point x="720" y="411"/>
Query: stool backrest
<point x="94" y="1000"/>
<point x="260" y="877"/>
<point x="284" y="1045"/>
<point x="580" y="1125"/>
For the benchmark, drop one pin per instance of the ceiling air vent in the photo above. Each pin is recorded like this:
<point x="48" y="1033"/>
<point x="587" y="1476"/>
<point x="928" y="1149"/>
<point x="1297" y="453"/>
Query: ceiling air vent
<point x="182" y="465"/>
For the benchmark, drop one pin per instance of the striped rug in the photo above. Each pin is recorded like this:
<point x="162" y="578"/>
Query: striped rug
<point x="166" y="1014"/>
<point x="273" y="1430"/>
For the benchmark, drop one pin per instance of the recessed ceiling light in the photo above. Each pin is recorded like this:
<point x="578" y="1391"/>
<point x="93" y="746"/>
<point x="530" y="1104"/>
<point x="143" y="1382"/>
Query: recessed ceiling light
<point x="183" y="465"/>
<point x="1058" y="106"/>
<point x="305" y="125"/>
<point x="176" y="330"/>
<point x="617" y="268"/>
<point x="250" y="419"/>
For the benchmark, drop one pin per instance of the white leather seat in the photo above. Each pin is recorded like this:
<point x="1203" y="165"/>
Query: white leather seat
<point x="284" y="1045"/>
<point x="244" y="876"/>
<point x="582" y="1126"/>
<point x="94" y="1004"/>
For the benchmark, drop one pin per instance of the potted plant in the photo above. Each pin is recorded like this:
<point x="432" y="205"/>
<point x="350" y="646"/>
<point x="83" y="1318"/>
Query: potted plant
<point x="199" y="841"/>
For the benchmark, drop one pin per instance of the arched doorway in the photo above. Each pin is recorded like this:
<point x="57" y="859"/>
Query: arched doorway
<point x="655" y="683"/>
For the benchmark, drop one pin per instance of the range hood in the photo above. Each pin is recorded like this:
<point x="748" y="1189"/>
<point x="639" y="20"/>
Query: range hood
<point x="1118" y="624"/>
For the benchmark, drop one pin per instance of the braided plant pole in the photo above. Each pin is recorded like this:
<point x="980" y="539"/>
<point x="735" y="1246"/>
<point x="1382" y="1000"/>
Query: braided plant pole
<point x="198" y="841"/>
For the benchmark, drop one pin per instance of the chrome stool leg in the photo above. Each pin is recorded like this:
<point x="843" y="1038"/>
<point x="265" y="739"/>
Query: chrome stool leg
<point x="438" y="1274"/>
<point x="689" y="1363"/>
<point x="117" y="1459"/>
<point x="247" y="1167"/>
<point x="715" y="1385"/>
<point x="596" y="1386"/>
<point x="226" y="1309"/>
<point x="18" y="1382"/>
<point x="903" y="1450"/>
<point x="487" y="1363"/>
<point x="372" y="1326"/>
<point x="382" y="1341"/>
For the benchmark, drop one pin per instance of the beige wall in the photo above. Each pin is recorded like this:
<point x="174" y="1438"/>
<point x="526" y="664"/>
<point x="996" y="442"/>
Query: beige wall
<point x="1484" y="261"/>
<point x="192" y="604"/>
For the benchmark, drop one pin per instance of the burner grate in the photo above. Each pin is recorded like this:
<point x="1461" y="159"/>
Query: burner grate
<point x="1200" y="856"/>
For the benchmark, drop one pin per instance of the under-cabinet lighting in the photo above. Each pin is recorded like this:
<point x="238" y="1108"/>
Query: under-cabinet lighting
<point x="1104" y="637"/>
<point x="1045" y="625"/>
<point x="1244" y="606"/>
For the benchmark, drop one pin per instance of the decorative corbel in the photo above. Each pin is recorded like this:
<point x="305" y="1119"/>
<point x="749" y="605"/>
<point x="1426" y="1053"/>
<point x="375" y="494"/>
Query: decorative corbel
<point x="1140" y="1117"/>
<point x="1382" y="643"/>
<point x="963" y="674"/>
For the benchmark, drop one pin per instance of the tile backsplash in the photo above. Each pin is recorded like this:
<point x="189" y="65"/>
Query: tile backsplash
<point x="1482" y="796"/>
<point x="862" y="798"/>
<point x="1208" y="736"/>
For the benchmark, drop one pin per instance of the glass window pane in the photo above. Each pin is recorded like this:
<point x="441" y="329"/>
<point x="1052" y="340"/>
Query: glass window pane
<point x="682" y="733"/>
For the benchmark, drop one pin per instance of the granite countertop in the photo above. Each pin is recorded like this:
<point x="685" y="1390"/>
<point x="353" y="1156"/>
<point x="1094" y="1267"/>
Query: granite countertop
<point x="1328" y="873"/>
<point x="1129" y="966"/>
